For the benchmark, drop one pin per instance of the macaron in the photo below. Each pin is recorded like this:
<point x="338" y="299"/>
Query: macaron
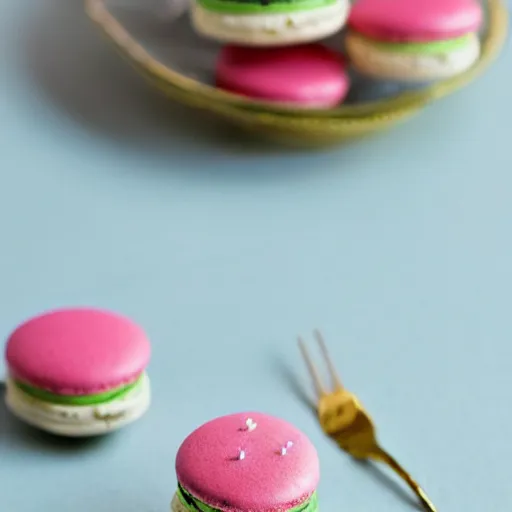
<point x="246" y="462"/>
<point x="78" y="372"/>
<point x="268" y="22"/>
<point x="420" y="40"/>
<point x="305" y="76"/>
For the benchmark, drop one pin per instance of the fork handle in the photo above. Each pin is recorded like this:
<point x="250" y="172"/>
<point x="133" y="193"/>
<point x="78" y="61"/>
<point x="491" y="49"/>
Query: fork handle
<point x="384" y="457"/>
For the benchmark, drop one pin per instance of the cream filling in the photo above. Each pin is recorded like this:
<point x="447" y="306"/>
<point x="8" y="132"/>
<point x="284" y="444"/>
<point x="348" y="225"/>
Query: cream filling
<point x="271" y="29"/>
<point x="72" y="420"/>
<point x="177" y="505"/>
<point x="371" y="60"/>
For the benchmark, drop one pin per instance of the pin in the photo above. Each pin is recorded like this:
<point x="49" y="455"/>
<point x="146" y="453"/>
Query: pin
<point x="241" y="455"/>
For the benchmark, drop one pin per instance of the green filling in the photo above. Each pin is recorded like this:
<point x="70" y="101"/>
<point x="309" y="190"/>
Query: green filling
<point x="195" y="505"/>
<point x="262" y="6"/>
<point x="448" y="45"/>
<point x="99" y="398"/>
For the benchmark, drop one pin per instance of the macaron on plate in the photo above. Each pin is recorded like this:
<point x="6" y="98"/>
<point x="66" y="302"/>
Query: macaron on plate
<point x="247" y="462"/>
<point x="446" y="56"/>
<point x="78" y="372"/>
<point x="268" y="22"/>
<point x="418" y="40"/>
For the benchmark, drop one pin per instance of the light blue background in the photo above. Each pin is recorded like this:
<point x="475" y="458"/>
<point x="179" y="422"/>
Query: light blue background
<point x="399" y="248"/>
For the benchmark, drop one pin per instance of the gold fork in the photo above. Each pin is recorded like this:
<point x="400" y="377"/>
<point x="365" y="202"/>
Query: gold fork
<point x="343" y="418"/>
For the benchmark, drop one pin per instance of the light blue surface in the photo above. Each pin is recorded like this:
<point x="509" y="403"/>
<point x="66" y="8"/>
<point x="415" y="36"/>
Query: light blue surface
<point x="399" y="248"/>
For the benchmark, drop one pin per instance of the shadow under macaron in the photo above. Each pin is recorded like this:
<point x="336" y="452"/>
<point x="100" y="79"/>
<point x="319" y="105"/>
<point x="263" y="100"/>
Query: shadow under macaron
<point x="366" y="89"/>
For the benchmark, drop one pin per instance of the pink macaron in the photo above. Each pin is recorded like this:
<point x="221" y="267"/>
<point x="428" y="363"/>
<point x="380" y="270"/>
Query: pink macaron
<point x="304" y="76"/>
<point x="414" y="40"/>
<point x="68" y="368"/>
<point x="246" y="462"/>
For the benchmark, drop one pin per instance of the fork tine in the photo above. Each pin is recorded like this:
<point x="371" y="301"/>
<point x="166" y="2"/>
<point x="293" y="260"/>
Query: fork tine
<point x="332" y="370"/>
<point x="311" y="368"/>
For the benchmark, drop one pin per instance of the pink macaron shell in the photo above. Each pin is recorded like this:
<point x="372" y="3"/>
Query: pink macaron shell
<point x="207" y="464"/>
<point x="415" y="20"/>
<point x="78" y="351"/>
<point x="309" y="76"/>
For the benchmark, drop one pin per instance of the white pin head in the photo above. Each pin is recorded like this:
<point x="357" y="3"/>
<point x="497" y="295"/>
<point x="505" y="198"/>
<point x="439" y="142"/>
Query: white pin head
<point x="250" y="424"/>
<point x="241" y="455"/>
<point x="286" y="447"/>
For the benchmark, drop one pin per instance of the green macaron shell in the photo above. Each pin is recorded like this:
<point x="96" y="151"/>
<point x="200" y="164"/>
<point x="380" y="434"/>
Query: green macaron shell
<point x="78" y="400"/>
<point x="260" y="7"/>
<point x="430" y="48"/>
<point x="195" y="505"/>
